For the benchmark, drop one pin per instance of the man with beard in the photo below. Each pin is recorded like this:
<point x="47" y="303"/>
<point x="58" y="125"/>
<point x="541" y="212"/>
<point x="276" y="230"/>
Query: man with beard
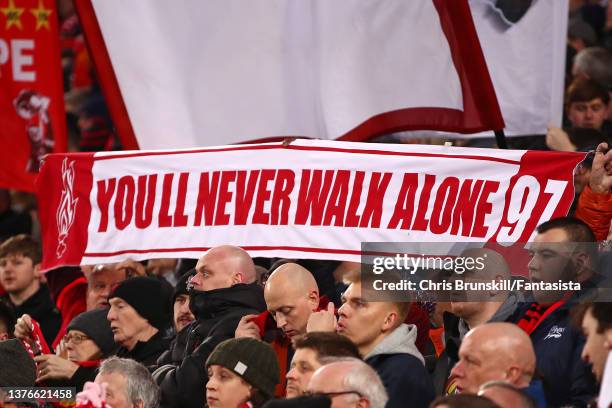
<point x="222" y="292"/>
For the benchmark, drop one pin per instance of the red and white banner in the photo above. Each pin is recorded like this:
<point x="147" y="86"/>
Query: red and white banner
<point x="220" y="72"/>
<point x="32" y="119"/>
<point x="308" y="199"/>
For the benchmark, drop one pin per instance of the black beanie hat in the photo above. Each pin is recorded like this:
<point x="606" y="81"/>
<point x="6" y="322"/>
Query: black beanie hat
<point x="17" y="368"/>
<point x="181" y="286"/>
<point x="319" y="401"/>
<point x="149" y="297"/>
<point x="253" y="360"/>
<point x="96" y="326"/>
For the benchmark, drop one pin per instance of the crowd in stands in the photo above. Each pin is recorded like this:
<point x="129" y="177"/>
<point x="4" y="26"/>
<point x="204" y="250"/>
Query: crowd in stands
<point x="230" y="331"/>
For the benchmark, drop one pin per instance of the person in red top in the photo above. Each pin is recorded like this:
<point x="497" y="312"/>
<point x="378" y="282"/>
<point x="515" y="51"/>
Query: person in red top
<point x="291" y="295"/>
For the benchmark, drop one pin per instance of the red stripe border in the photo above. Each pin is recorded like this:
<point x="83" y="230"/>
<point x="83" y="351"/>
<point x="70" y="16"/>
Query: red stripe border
<point x="309" y="148"/>
<point x="201" y="249"/>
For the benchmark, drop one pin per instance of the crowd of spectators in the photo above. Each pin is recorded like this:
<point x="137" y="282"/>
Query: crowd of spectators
<point x="230" y="331"/>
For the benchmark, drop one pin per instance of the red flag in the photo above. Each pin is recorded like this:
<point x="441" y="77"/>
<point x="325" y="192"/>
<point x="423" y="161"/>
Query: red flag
<point x="32" y="120"/>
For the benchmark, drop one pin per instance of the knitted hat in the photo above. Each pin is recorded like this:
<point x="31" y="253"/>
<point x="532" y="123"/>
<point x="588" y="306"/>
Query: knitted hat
<point x="95" y="325"/>
<point x="253" y="360"/>
<point x="322" y="401"/>
<point x="148" y="296"/>
<point x="18" y="368"/>
<point x="181" y="286"/>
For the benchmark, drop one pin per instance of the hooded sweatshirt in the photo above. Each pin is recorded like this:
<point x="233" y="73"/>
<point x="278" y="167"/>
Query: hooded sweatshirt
<point x="401" y="368"/>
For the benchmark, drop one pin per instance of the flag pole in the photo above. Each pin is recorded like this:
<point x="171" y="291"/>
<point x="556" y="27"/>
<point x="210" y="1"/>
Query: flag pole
<point x="500" y="138"/>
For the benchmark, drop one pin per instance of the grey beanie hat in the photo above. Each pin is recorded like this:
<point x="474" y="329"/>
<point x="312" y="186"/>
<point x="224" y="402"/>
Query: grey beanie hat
<point x="96" y="326"/>
<point x="17" y="367"/>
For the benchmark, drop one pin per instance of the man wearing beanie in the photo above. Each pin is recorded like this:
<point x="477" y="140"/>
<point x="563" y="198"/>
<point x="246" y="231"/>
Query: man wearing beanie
<point x="222" y="291"/>
<point x="182" y="318"/>
<point x="138" y="316"/>
<point x="251" y="360"/>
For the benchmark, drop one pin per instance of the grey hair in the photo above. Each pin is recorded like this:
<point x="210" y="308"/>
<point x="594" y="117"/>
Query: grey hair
<point x="140" y="383"/>
<point x="526" y="400"/>
<point x="596" y="64"/>
<point x="363" y="379"/>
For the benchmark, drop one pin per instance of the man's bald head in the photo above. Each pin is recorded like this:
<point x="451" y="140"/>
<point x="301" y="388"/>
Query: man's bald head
<point x="223" y="267"/>
<point x="291" y="295"/>
<point x="495" y="351"/>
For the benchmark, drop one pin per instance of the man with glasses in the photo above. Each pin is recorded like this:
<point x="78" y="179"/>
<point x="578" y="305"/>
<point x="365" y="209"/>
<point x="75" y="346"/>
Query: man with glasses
<point x="349" y="383"/>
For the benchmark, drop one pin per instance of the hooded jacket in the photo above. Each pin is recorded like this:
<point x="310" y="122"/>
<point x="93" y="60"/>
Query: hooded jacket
<point x="217" y="314"/>
<point x="401" y="368"/>
<point x="567" y="379"/>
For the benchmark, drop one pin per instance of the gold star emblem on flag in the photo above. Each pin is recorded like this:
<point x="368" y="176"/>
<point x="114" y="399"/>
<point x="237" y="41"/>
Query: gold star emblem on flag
<point x="42" y="16"/>
<point x="13" y="15"/>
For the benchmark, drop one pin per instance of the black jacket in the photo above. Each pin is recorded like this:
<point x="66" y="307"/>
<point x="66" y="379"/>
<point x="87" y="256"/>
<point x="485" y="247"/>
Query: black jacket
<point x="146" y="352"/>
<point x="217" y="314"/>
<point x="567" y="379"/>
<point x="42" y="309"/>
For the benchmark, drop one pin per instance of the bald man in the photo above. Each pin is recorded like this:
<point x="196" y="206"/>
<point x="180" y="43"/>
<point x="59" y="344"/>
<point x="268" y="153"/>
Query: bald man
<point x="494" y="351"/>
<point x="221" y="292"/>
<point x="472" y="309"/>
<point x="506" y="395"/>
<point x="291" y="295"/>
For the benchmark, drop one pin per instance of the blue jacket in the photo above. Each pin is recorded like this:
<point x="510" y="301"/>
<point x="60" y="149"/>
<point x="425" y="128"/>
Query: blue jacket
<point x="567" y="379"/>
<point x="401" y="368"/>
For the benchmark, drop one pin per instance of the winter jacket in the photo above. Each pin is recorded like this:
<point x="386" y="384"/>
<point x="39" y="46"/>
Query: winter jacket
<point x="146" y="352"/>
<point x="43" y="310"/>
<point x="567" y="379"/>
<point x="217" y="314"/>
<point x="401" y="368"/>
<point x="595" y="210"/>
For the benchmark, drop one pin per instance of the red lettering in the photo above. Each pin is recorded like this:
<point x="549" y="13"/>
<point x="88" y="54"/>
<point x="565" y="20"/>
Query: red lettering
<point x="207" y="196"/>
<point x="404" y="207"/>
<point x="180" y="219"/>
<point x="336" y="205"/>
<point x="420" y="222"/>
<point x="263" y="195"/>
<point x="352" y="219"/>
<point x="244" y="199"/>
<point x="484" y="208"/>
<point x="312" y="197"/>
<point x="372" y="212"/>
<point x="165" y="220"/>
<point x="444" y="204"/>
<point x="106" y="188"/>
<point x="466" y="205"/>
<point x="124" y="202"/>
<point x="145" y="199"/>
<point x="225" y="196"/>
<point x="283" y="186"/>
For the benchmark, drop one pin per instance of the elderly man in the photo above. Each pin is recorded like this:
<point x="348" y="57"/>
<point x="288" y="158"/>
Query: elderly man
<point x="494" y="351"/>
<point x="100" y="281"/>
<point x="291" y="295"/>
<point x="311" y="351"/>
<point x="138" y="316"/>
<point x="222" y="293"/>
<point x="129" y="384"/>
<point x="349" y="382"/>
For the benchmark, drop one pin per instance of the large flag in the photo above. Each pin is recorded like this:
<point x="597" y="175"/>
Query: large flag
<point x="524" y="44"/>
<point x="192" y="73"/>
<point x="32" y="120"/>
<point x="307" y="199"/>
